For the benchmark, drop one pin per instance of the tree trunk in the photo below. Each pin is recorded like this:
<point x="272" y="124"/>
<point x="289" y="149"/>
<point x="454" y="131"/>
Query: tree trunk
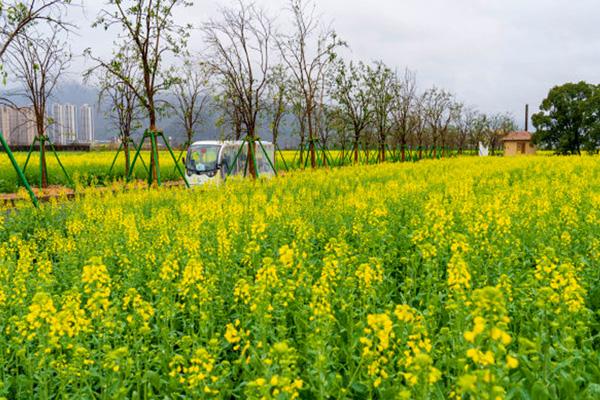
<point x="311" y="137"/>
<point x="251" y="158"/>
<point x="402" y="150"/>
<point x="355" y="150"/>
<point x="275" y="135"/>
<point x="323" y="151"/>
<point x="153" y="162"/>
<point x="382" y="152"/>
<point x="301" y="151"/>
<point x="126" y="152"/>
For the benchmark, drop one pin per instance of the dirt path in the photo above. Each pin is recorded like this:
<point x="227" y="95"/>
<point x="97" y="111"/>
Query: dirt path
<point x="62" y="192"/>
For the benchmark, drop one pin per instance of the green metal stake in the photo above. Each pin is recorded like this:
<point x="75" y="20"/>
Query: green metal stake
<point x="143" y="165"/>
<point x="176" y="163"/>
<point x="246" y="163"/>
<point x="252" y="150"/>
<point x="20" y="173"/>
<point x="186" y="145"/>
<point x="29" y="154"/>
<point x="235" y="159"/>
<point x="155" y="152"/>
<point x="115" y="159"/>
<point x="268" y="158"/>
<point x="324" y="153"/>
<point x="307" y="154"/>
<point x="60" y="163"/>
<point x="282" y="157"/>
<point x="42" y="146"/>
<point x="121" y="148"/>
<point x="137" y="154"/>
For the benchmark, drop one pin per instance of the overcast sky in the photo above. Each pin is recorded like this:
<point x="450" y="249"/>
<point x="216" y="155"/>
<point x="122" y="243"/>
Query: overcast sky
<point x="496" y="55"/>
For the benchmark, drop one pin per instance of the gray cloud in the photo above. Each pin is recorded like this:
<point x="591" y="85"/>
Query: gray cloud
<point x="494" y="54"/>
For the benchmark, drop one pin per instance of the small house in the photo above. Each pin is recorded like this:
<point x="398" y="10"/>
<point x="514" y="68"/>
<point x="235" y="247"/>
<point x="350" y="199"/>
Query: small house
<point x="518" y="143"/>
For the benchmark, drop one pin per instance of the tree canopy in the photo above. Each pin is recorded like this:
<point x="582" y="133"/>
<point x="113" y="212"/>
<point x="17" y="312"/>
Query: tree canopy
<point x="569" y="119"/>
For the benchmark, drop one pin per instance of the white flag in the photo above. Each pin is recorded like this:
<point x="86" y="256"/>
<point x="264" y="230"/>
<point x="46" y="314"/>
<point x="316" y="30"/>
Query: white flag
<point x="483" y="150"/>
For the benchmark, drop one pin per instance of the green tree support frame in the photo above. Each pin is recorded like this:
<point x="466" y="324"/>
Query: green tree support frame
<point x="322" y="158"/>
<point x="117" y="156"/>
<point x="153" y="136"/>
<point x="251" y="142"/>
<point x="278" y="149"/>
<point x="20" y="173"/>
<point x="42" y="143"/>
<point x="186" y="146"/>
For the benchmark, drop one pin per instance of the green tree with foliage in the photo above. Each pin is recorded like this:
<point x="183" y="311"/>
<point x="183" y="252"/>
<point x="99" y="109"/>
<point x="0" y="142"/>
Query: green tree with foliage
<point x="569" y="119"/>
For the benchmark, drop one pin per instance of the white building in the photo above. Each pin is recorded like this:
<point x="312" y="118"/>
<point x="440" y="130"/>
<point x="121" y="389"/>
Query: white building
<point x="17" y="125"/>
<point x="57" y="130"/>
<point x="70" y="126"/>
<point x="64" y="129"/>
<point x="86" y="128"/>
<point x="5" y="123"/>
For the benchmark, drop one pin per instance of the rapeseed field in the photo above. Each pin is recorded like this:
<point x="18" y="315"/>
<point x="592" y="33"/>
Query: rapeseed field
<point x="462" y="278"/>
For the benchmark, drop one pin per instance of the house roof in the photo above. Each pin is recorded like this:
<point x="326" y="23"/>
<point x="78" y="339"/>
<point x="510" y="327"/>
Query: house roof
<point x="517" y="136"/>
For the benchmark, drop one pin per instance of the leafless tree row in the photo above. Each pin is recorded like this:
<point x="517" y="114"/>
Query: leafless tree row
<point x="301" y="80"/>
<point x="255" y="72"/>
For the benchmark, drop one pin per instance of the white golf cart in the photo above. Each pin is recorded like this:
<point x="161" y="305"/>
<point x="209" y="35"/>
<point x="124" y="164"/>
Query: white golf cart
<point x="213" y="161"/>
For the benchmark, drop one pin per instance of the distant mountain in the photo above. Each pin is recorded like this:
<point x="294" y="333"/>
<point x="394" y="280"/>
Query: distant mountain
<point x="78" y="94"/>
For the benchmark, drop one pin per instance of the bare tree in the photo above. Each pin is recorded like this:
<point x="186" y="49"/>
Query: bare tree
<point x="339" y="125"/>
<point x="351" y="93"/>
<point x="150" y="35"/>
<point x="481" y="127"/>
<point x="439" y="112"/>
<point x="191" y="98"/>
<point x="418" y="121"/>
<point x="465" y="126"/>
<point x="16" y="16"/>
<point x="239" y="45"/>
<point x="226" y="105"/>
<point x="404" y="106"/>
<point x="277" y="99"/>
<point x="499" y="126"/>
<point x="38" y="62"/>
<point x="122" y="105"/>
<point x="299" y="111"/>
<point x="308" y="50"/>
<point x="381" y="81"/>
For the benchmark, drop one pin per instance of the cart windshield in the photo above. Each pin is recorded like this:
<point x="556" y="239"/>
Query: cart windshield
<point x="203" y="157"/>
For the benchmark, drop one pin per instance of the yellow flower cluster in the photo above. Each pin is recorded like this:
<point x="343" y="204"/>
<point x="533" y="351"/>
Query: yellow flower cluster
<point x="141" y="310"/>
<point x="487" y="351"/>
<point x="322" y="289"/>
<point x="97" y="283"/>
<point x="281" y="379"/>
<point x="559" y="286"/>
<point x="71" y="319"/>
<point x="41" y="312"/>
<point x="399" y="348"/>
<point x="369" y="274"/>
<point x="459" y="277"/>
